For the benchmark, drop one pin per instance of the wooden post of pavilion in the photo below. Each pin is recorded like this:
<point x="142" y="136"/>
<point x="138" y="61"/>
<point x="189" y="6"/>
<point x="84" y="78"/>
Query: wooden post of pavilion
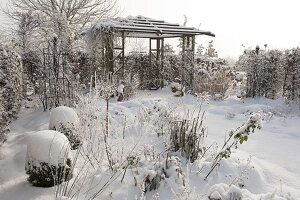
<point x="162" y="62"/>
<point x="109" y="53"/>
<point x="158" y="59"/>
<point x="123" y="54"/>
<point x="193" y="60"/>
<point x="183" y="58"/>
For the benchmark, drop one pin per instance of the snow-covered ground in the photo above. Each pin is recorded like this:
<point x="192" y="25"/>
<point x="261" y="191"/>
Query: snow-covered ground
<point x="268" y="164"/>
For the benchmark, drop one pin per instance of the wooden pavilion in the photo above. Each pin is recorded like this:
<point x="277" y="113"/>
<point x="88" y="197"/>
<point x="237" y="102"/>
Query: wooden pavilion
<point x="142" y="27"/>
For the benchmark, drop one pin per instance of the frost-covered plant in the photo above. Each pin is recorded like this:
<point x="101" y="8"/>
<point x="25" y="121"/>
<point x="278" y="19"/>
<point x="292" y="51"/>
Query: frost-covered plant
<point x="89" y="156"/>
<point x="238" y="136"/>
<point x="243" y="174"/>
<point x="66" y="121"/>
<point x="48" y="160"/>
<point x="186" y="135"/>
<point x="107" y="90"/>
<point x="91" y="127"/>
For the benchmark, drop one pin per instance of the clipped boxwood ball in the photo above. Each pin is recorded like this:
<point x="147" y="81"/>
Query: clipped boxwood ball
<point x="48" y="160"/>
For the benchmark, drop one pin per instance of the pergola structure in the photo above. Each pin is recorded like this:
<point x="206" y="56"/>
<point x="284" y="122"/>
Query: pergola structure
<point x="142" y="27"/>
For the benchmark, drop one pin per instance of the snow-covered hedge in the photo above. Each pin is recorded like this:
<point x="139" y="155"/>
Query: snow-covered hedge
<point x="48" y="160"/>
<point x="66" y="121"/>
<point x="272" y="73"/>
<point x="11" y="88"/>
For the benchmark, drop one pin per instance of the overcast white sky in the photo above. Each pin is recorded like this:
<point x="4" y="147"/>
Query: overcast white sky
<point x="235" y="22"/>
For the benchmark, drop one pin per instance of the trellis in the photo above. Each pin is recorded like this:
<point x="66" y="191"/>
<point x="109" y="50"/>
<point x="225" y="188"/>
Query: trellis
<point x="56" y="84"/>
<point x="154" y="30"/>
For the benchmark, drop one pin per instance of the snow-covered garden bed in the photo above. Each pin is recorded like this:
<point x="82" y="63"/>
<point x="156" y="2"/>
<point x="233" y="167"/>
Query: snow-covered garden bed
<point x="143" y="165"/>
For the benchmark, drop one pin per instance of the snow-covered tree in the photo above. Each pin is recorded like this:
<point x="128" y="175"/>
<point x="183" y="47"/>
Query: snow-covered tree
<point x="65" y="19"/>
<point x="200" y="50"/>
<point x="252" y="61"/>
<point x="210" y="50"/>
<point x="272" y="74"/>
<point x="27" y="22"/>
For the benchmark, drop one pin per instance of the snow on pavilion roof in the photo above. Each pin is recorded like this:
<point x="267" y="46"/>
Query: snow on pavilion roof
<point x="142" y="27"/>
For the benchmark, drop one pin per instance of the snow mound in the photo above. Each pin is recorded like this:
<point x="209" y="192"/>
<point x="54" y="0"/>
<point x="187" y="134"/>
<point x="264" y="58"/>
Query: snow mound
<point x="47" y="146"/>
<point x="63" y="116"/>
<point x="224" y="192"/>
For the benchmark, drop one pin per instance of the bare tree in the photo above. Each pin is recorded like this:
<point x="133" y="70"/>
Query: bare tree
<point x="65" y="19"/>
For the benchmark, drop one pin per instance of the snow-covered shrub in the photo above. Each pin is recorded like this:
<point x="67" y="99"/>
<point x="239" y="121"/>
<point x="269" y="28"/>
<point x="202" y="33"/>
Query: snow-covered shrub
<point x="177" y="88"/>
<point x="11" y="88"/>
<point x="150" y="174"/>
<point x="66" y="121"/>
<point x="212" y="75"/>
<point x="48" y="160"/>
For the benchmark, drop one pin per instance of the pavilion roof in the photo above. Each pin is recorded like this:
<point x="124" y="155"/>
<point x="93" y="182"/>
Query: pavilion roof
<point x="143" y="27"/>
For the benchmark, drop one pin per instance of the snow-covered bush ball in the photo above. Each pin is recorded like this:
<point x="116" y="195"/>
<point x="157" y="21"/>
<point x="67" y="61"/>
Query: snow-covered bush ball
<point x="48" y="160"/>
<point x="66" y="121"/>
